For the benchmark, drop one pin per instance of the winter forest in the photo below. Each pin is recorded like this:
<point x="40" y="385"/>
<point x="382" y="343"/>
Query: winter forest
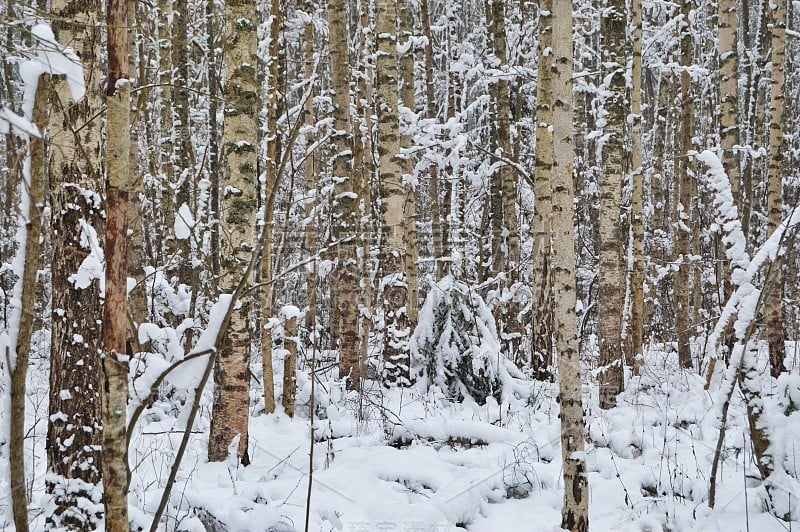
<point x="400" y="265"/>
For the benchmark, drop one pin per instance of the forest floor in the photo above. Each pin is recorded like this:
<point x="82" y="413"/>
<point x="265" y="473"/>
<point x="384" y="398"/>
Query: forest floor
<point x="399" y="460"/>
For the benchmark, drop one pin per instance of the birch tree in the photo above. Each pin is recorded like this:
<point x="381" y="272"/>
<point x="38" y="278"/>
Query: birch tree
<point x="729" y="91"/>
<point x="393" y="256"/>
<point x="610" y="292"/>
<point x="408" y="115"/>
<point x="344" y="278"/>
<point x="437" y="207"/>
<point x="74" y="431"/>
<point x="683" y="191"/>
<point x="232" y="374"/>
<point x="542" y="304"/>
<point x="503" y="185"/>
<point x="635" y="354"/>
<point x="37" y="171"/>
<point x="271" y="179"/>
<point x="505" y="227"/>
<point x="773" y="307"/>
<point x="575" y="512"/>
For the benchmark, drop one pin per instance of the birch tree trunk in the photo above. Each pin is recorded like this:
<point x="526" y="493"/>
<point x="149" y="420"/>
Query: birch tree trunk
<point x="729" y="92"/>
<point x="503" y="189"/>
<point x="213" y="38"/>
<point x="452" y="232"/>
<point x="120" y="186"/>
<point x="773" y="305"/>
<point x="137" y="296"/>
<point x="74" y="431"/>
<point x="13" y="155"/>
<point x="728" y="56"/>
<point x="747" y="89"/>
<point x="610" y="292"/>
<point x="410" y="206"/>
<point x="310" y="168"/>
<point x="289" y="320"/>
<point x="183" y="156"/>
<point x="232" y="374"/>
<point x="344" y="278"/>
<point x="508" y="173"/>
<point x="394" y="281"/>
<point x="542" y="338"/>
<point x="508" y="259"/>
<point x="271" y="178"/>
<point x="575" y="512"/>
<point x="636" y="353"/>
<point x="438" y="225"/>
<point x="683" y="193"/>
<point x="363" y="157"/>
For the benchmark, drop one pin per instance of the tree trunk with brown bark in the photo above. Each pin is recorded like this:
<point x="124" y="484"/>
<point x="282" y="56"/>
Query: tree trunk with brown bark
<point x="36" y="201"/>
<point x="119" y="188"/>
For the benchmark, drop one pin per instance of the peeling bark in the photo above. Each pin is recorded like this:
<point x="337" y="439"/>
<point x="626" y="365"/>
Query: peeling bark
<point x="120" y="186"/>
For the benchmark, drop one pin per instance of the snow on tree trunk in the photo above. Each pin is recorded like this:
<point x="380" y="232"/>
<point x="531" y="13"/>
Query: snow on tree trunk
<point x="408" y="119"/>
<point x="74" y="433"/>
<point x="394" y="287"/>
<point x="344" y="278"/>
<point x="271" y="177"/>
<point x="232" y="374"/>
<point x="183" y="156"/>
<point x="743" y="367"/>
<point x="505" y="247"/>
<point x="611" y="279"/>
<point x="773" y="306"/>
<point x="683" y="193"/>
<point x="728" y="56"/>
<point x="542" y="304"/>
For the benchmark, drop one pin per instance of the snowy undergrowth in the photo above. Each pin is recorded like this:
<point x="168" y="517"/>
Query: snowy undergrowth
<point x="650" y="458"/>
<point x="415" y="461"/>
<point x="421" y="462"/>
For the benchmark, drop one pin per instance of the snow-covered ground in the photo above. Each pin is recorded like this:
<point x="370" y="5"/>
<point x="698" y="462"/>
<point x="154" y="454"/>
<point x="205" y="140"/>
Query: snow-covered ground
<point x="417" y="462"/>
